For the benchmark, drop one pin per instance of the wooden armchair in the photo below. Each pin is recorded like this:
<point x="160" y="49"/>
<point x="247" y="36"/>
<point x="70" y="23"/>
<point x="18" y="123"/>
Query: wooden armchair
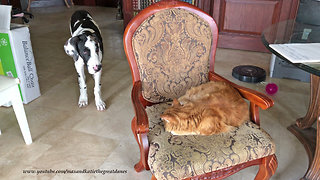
<point x="171" y="47"/>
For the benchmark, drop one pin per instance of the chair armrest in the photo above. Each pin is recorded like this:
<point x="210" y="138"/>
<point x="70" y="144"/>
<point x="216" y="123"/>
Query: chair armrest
<point x="142" y="125"/>
<point x="259" y="99"/>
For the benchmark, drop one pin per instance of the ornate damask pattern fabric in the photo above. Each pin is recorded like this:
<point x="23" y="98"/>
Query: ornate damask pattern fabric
<point x="179" y="157"/>
<point x="172" y="49"/>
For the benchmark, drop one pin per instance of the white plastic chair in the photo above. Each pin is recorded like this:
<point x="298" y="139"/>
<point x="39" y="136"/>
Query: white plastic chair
<point x="9" y="92"/>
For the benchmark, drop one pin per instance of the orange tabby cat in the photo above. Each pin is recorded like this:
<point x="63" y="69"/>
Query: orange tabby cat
<point x="210" y="108"/>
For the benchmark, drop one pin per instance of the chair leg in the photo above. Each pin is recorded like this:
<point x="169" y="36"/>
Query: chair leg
<point x="139" y="166"/>
<point x="267" y="168"/>
<point x="21" y="116"/>
<point x="67" y="4"/>
<point x="28" y="8"/>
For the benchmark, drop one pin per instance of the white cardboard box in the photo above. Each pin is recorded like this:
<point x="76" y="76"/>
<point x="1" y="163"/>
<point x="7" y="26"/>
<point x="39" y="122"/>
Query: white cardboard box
<point x="16" y="56"/>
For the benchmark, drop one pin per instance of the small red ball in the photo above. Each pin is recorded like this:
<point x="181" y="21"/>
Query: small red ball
<point x="271" y="88"/>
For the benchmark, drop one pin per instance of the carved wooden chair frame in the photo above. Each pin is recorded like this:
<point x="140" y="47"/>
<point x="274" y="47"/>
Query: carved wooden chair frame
<point x="140" y="123"/>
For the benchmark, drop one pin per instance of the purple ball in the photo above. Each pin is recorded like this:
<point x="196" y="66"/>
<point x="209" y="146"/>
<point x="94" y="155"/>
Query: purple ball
<point x="271" y="88"/>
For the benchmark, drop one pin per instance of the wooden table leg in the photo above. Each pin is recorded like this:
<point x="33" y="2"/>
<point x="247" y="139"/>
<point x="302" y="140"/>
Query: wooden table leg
<point x="313" y="110"/>
<point x="307" y="135"/>
<point x="314" y="170"/>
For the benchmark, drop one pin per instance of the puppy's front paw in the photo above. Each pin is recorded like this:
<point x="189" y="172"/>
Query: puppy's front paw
<point x="100" y="105"/>
<point x="83" y="101"/>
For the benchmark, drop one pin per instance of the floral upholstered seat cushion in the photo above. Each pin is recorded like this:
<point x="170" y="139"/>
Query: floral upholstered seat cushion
<point x="179" y="157"/>
<point x="172" y="49"/>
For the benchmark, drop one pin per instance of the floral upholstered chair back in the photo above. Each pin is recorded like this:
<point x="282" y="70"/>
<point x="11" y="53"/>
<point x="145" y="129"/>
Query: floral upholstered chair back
<point x="172" y="50"/>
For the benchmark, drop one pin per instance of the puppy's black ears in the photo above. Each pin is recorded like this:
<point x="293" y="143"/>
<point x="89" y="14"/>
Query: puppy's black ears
<point x="94" y="37"/>
<point x="82" y="37"/>
<point x="71" y="47"/>
<point x="74" y="40"/>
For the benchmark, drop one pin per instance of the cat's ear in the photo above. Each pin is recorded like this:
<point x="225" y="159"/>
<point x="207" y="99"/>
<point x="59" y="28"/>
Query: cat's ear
<point x="176" y="102"/>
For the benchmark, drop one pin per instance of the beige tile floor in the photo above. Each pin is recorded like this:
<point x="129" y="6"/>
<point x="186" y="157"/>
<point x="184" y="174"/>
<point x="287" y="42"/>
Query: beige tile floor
<point x="67" y="137"/>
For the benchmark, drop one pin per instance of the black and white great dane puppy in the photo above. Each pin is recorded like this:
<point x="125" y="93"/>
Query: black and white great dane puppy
<point x="86" y="48"/>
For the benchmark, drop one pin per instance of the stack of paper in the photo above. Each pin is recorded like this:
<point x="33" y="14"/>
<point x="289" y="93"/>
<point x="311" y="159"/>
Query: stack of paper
<point x="299" y="52"/>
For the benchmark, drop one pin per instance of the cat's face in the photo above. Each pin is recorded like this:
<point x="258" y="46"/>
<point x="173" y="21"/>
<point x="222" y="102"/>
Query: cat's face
<point x="176" y="119"/>
<point x="170" y="115"/>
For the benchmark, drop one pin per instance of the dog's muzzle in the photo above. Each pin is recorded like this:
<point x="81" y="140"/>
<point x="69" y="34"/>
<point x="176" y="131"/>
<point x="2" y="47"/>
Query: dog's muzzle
<point x="97" y="68"/>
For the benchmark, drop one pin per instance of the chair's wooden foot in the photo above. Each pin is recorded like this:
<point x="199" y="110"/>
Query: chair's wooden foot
<point x="267" y="168"/>
<point x="153" y="177"/>
<point x="139" y="167"/>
